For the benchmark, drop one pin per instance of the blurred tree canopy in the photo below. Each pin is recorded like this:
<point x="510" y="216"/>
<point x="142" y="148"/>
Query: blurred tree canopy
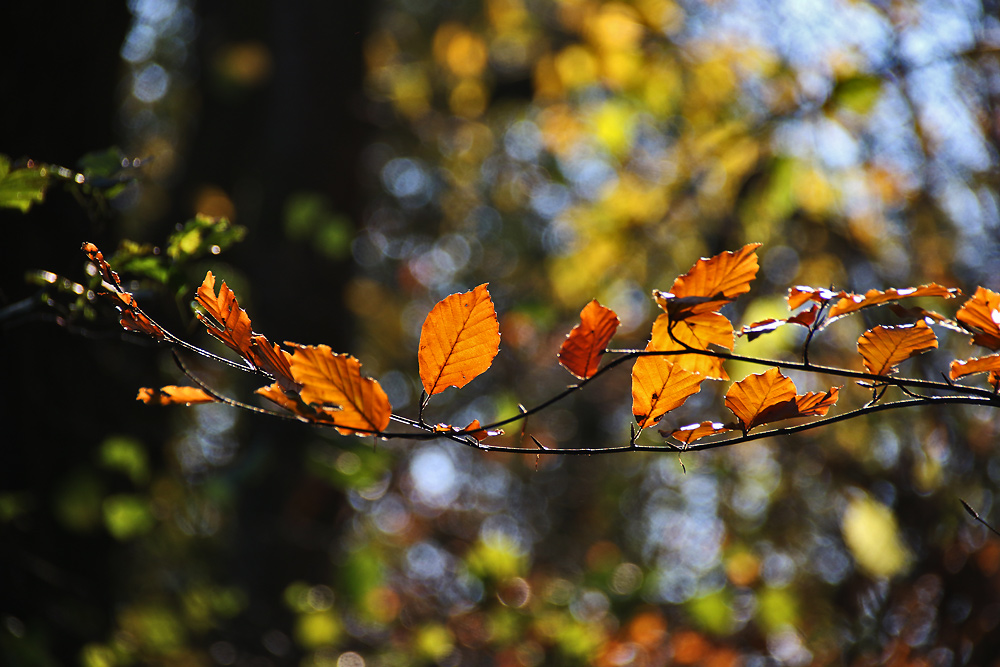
<point x="381" y="156"/>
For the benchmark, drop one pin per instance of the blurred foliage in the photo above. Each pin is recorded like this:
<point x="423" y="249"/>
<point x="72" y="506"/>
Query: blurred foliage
<point x="561" y="150"/>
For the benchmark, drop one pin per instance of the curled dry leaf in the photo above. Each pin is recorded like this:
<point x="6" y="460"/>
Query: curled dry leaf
<point x="960" y="368"/>
<point x="850" y="303"/>
<point x="132" y="317"/>
<point x="767" y="397"/>
<point x="229" y="323"/>
<point x="333" y="391"/>
<point x="698" y="332"/>
<point x="659" y="386"/>
<point x="691" y="432"/>
<point x="883" y="348"/>
<point x="981" y="315"/>
<point x="97" y="257"/>
<point x="801" y="294"/>
<point x="458" y="341"/>
<point x="581" y="352"/>
<point x="173" y="395"/>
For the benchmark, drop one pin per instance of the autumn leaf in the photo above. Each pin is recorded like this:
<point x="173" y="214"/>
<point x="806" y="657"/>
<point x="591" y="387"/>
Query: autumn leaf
<point x="173" y="395"/>
<point x="711" y="283"/>
<point x="770" y="396"/>
<point x="274" y="361"/>
<point x="698" y="332"/>
<point x="97" y="257"/>
<point x="691" y="432"/>
<point x="960" y="368"/>
<point x="581" y="352"/>
<point x="659" y="386"/>
<point x="752" y="331"/>
<point x="229" y="323"/>
<point x="981" y="315"/>
<point x="801" y="294"/>
<point x="883" y="348"/>
<point x="458" y="341"/>
<point x="474" y="429"/>
<point x="132" y="317"/>
<point x="333" y="387"/>
<point x="850" y="303"/>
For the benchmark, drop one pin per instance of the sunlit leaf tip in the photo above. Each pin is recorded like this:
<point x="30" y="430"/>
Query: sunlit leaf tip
<point x="174" y="395"/>
<point x="883" y="348"/>
<point x="581" y="352"/>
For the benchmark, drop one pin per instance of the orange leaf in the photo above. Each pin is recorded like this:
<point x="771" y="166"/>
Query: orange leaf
<point x="274" y="361"/>
<point x="711" y="283"/>
<point x="132" y="317"/>
<point x="458" y="341"/>
<point x="97" y="257"/>
<point x="699" y="332"/>
<point x="800" y="294"/>
<point x="883" y="348"/>
<point x="753" y="331"/>
<point x="981" y="314"/>
<point x="173" y="395"/>
<point x="474" y="429"/>
<point x="960" y="369"/>
<point x="581" y="352"/>
<point x="659" y="386"/>
<point x="770" y="396"/>
<point x="691" y="432"/>
<point x="332" y="385"/>
<point x="852" y="302"/>
<point x="231" y="324"/>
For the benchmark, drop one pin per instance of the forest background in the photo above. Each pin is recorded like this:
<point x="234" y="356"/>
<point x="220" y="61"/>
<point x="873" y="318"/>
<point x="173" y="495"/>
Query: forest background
<point x="383" y="155"/>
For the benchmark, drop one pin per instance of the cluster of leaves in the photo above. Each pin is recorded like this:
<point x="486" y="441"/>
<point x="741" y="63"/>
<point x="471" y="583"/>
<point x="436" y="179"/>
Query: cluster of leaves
<point x="690" y="342"/>
<point x="102" y="176"/>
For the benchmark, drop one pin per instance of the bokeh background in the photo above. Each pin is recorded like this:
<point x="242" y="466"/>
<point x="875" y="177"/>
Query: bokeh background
<point x="383" y="155"/>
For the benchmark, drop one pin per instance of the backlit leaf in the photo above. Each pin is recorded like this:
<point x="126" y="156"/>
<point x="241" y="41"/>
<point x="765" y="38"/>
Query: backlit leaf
<point x="960" y="369"/>
<point x="173" y="395"/>
<point x="770" y="396"/>
<point x="698" y="332"/>
<point x="800" y="294"/>
<point x="333" y="387"/>
<point x="981" y="314"/>
<point x="21" y="187"/>
<point x="752" y="331"/>
<point x="458" y="341"/>
<point x="711" y="283"/>
<point x="229" y="323"/>
<point x="659" y="386"/>
<point x="474" y="429"/>
<point x="883" y="348"/>
<point x="132" y="317"/>
<point x="581" y="352"/>
<point x="691" y="432"/>
<point x="850" y="303"/>
<point x="274" y="361"/>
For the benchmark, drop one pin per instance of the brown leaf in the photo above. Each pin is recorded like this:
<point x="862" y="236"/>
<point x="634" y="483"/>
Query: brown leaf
<point x="173" y="395"/>
<point x="581" y="352"/>
<point x="883" y="348"/>
<point x="474" y="429"/>
<point x="229" y="323"/>
<point x="691" y="432"/>
<point x="853" y="302"/>
<point x="274" y="361"/>
<point x="770" y="396"/>
<point x="458" y="341"/>
<point x="332" y="387"/>
<point x="711" y="283"/>
<point x="132" y="317"/>
<point x="699" y="332"/>
<point x="659" y="386"/>
<point x="960" y="369"/>
<point x="97" y="257"/>
<point x="753" y="331"/>
<point x="981" y="314"/>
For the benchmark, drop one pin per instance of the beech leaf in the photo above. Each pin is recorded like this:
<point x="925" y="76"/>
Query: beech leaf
<point x="659" y="386"/>
<point x="711" y="283"/>
<point x="850" y="303"/>
<point x="274" y="361"/>
<point x="229" y="323"/>
<point x="988" y="364"/>
<point x="581" y="352"/>
<point x="474" y="429"/>
<point x="332" y="387"/>
<point x="767" y="397"/>
<point x="883" y="348"/>
<point x="691" y="432"/>
<point x="801" y="294"/>
<point x="699" y="332"/>
<point x="458" y="341"/>
<point x="981" y="315"/>
<point x="173" y="395"/>
<point x="132" y="317"/>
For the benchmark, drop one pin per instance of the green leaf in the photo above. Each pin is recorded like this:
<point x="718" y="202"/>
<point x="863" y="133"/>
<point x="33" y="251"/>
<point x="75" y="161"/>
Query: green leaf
<point x="203" y="235"/>
<point x="21" y="188"/>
